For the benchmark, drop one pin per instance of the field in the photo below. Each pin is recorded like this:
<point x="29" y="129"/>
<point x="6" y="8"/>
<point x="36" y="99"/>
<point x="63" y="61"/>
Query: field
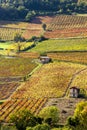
<point x="67" y="26"/>
<point x="11" y="67"/>
<point x="35" y="27"/>
<point x="11" y="106"/>
<point x="13" y="24"/>
<point x="9" y="33"/>
<point x="61" y="45"/>
<point x="51" y="80"/>
<point x="66" y="107"/>
<point x="47" y="84"/>
<point x="27" y="29"/>
<point x="80" y="80"/>
<point x="68" y="21"/>
<point x="75" y="57"/>
<point x="7" y="89"/>
<point x="32" y="55"/>
<point x="10" y="48"/>
<point x="67" y="33"/>
<point x="9" y="28"/>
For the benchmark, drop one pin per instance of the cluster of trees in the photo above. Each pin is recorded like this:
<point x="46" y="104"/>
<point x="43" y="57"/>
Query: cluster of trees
<point x="48" y="119"/>
<point x="79" y="120"/>
<point x="26" y="9"/>
<point x="24" y="120"/>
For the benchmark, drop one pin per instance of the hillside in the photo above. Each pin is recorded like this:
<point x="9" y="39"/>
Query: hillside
<point x="24" y="10"/>
<point x="40" y="67"/>
<point x="64" y="26"/>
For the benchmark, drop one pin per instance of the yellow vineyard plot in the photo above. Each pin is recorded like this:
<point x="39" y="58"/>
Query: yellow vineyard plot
<point x="51" y="80"/>
<point x="80" y="80"/>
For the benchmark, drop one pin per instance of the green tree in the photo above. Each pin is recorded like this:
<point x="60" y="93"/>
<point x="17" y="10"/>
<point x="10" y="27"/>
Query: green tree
<point x="29" y="128"/>
<point x="79" y="120"/>
<point x="18" y="38"/>
<point x="41" y="127"/>
<point x="22" y="119"/>
<point x="44" y="26"/>
<point x="50" y="115"/>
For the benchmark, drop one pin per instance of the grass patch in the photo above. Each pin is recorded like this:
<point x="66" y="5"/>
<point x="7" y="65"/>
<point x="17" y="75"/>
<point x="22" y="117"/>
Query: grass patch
<point x="61" y="45"/>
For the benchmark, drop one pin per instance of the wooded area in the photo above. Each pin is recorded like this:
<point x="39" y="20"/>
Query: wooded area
<point x="26" y="9"/>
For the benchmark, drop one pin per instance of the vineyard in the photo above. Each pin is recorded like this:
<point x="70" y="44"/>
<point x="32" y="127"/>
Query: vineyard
<point x="8" y="34"/>
<point x="64" y="26"/>
<point x="11" y="67"/>
<point x="29" y="55"/>
<point x="79" y="44"/>
<point x="66" y="33"/>
<point x="7" y="89"/>
<point x="9" y="28"/>
<point x="13" y="24"/>
<point x="76" y="57"/>
<point x="80" y="80"/>
<point x="32" y="32"/>
<point x="35" y="27"/>
<point x="68" y="22"/>
<point x="11" y="106"/>
<point x="27" y="84"/>
<point x="51" y="80"/>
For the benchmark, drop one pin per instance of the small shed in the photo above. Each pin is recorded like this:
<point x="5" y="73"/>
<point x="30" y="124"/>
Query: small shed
<point x="74" y="92"/>
<point x="45" y="59"/>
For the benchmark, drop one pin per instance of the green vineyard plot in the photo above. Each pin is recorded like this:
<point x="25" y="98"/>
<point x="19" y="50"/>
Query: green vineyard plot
<point x="61" y="45"/>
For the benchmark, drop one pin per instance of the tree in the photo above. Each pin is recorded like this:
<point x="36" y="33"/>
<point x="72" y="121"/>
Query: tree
<point x="22" y="119"/>
<point x="19" y="45"/>
<point x="29" y="128"/>
<point x="30" y="15"/>
<point x="44" y="26"/>
<point x="39" y="127"/>
<point x="18" y="38"/>
<point x="50" y="115"/>
<point x="79" y="120"/>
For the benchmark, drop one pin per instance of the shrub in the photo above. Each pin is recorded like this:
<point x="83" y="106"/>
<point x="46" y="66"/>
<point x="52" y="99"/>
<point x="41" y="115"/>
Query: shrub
<point x="79" y="120"/>
<point x="29" y="128"/>
<point x="50" y="115"/>
<point x="44" y="26"/>
<point x="42" y="127"/>
<point x="22" y="119"/>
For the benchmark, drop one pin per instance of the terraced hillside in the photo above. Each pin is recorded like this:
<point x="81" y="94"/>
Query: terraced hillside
<point x="63" y="26"/>
<point x="12" y="67"/>
<point x="27" y="29"/>
<point x="68" y="21"/>
<point x="51" y="80"/>
<point x="12" y="71"/>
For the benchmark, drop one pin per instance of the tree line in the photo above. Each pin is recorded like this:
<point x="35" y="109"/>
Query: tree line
<point x="26" y="9"/>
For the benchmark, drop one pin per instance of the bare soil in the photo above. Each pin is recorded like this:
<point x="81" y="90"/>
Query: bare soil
<point x="66" y="106"/>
